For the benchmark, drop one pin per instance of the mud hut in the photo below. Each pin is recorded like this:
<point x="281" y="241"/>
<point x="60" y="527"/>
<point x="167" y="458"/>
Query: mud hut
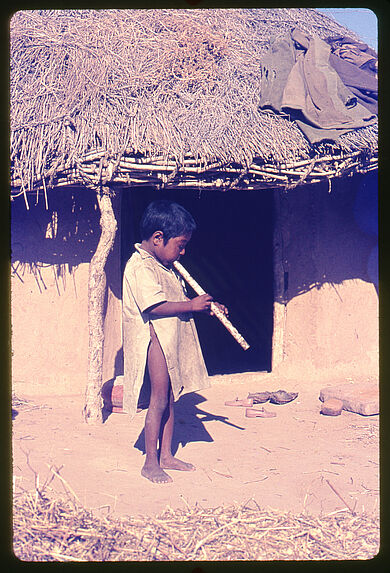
<point x="111" y="108"/>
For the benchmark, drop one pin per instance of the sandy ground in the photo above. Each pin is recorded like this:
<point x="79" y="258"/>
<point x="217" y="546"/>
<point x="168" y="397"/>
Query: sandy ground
<point x="287" y="463"/>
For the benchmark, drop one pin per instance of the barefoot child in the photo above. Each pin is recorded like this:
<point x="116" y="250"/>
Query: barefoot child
<point x="159" y="331"/>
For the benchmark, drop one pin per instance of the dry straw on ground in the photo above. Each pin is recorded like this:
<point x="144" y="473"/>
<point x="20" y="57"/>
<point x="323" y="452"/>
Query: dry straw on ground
<point x="159" y="97"/>
<point x="50" y="528"/>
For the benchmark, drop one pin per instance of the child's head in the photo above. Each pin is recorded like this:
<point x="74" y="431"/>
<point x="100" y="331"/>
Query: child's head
<point x="169" y="218"/>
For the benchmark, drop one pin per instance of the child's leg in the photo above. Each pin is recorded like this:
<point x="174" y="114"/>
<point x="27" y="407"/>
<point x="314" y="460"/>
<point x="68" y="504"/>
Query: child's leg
<point x="167" y="461"/>
<point x="159" y="399"/>
<point x="159" y="418"/>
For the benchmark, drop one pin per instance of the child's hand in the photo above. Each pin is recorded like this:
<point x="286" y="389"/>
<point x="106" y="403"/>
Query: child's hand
<point x="222" y="308"/>
<point x="201" y="303"/>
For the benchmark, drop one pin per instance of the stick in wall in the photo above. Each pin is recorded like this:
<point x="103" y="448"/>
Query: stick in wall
<point x="218" y="313"/>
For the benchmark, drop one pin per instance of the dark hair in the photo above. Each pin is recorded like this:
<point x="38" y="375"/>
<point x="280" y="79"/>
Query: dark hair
<point x="166" y="216"/>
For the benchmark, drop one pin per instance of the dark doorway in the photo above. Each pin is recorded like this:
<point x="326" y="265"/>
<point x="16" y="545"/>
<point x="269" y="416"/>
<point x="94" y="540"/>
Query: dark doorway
<point x="230" y="255"/>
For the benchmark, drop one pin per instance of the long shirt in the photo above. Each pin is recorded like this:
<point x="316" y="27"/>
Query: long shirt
<point x="147" y="282"/>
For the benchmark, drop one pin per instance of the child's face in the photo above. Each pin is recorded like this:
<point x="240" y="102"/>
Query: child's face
<point x="172" y="250"/>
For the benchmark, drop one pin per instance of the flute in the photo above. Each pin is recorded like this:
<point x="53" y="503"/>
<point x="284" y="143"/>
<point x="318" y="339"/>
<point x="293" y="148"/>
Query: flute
<point x="218" y="313"/>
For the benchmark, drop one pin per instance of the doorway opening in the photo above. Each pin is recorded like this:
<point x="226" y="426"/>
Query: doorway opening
<point x="231" y="256"/>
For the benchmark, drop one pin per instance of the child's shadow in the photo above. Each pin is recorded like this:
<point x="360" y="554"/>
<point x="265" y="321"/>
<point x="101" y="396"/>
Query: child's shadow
<point x="189" y="423"/>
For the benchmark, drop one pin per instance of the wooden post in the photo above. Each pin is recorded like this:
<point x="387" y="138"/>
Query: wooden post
<point x="96" y="291"/>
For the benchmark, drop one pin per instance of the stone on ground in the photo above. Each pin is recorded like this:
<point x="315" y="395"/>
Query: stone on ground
<point x="359" y="397"/>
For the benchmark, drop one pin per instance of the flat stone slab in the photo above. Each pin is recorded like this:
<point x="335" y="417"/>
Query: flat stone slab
<point x="358" y="397"/>
<point x="332" y="407"/>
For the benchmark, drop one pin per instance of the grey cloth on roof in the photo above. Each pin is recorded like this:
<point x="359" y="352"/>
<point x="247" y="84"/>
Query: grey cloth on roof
<point x="276" y="66"/>
<point x="318" y="134"/>
<point x="356" y="53"/>
<point x="297" y="78"/>
<point x="362" y="83"/>
<point x="356" y="63"/>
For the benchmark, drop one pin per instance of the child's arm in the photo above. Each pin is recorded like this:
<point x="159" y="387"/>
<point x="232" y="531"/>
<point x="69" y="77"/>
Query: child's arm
<point x="198" y="304"/>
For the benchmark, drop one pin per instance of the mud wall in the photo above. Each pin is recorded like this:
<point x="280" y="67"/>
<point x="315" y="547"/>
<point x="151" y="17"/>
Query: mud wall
<point x="49" y="338"/>
<point x="325" y="287"/>
<point x="51" y="251"/>
<point x="327" y="279"/>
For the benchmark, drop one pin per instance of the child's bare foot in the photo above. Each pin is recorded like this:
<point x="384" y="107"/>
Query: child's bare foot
<point x="172" y="463"/>
<point x="155" y="474"/>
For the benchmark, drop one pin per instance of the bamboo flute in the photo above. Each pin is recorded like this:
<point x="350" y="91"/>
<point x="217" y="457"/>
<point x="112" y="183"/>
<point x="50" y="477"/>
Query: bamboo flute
<point x="215" y="310"/>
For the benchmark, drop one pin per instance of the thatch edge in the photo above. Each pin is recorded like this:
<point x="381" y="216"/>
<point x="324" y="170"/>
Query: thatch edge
<point x="100" y="169"/>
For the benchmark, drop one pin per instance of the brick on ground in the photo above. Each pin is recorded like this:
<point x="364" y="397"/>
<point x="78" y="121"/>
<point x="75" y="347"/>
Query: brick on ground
<point x="361" y="398"/>
<point x="332" y="407"/>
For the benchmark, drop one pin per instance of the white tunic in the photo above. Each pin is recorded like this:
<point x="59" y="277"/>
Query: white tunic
<point x="147" y="282"/>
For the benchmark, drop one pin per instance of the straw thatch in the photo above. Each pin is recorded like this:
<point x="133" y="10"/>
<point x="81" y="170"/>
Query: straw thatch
<point x="48" y="528"/>
<point x="165" y="97"/>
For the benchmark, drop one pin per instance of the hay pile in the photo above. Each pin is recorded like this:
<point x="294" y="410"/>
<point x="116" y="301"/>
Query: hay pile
<point x="144" y="96"/>
<point x="48" y="529"/>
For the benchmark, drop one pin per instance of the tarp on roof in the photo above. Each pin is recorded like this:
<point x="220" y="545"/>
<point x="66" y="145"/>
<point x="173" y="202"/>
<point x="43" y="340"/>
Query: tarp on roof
<point x="325" y="94"/>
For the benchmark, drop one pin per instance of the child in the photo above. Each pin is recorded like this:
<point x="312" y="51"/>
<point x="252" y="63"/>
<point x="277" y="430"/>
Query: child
<point x="159" y="331"/>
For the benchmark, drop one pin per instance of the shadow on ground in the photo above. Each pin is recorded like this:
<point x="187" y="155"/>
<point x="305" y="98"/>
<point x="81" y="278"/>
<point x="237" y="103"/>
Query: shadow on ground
<point x="190" y="422"/>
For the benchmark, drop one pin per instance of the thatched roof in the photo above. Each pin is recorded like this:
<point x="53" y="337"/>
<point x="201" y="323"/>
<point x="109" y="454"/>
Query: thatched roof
<point x="160" y="96"/>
